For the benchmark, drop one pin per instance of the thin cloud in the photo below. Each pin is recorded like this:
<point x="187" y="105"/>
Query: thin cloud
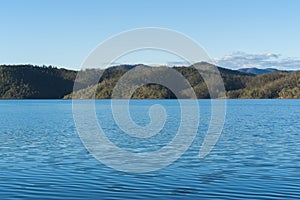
<point x="177" y="63"/>
<point x="239" y="60"/>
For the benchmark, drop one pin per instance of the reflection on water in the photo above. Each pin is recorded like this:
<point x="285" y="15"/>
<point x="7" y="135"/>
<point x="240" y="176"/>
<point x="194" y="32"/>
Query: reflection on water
<point x="257" y="156"/>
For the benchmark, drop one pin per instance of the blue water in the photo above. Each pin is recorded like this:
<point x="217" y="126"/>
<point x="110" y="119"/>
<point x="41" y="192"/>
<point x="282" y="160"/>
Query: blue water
<point x="257" y="156"/>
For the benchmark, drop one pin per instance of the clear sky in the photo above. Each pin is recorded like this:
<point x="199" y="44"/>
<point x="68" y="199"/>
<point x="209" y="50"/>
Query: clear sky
<point x="63" y="32"/>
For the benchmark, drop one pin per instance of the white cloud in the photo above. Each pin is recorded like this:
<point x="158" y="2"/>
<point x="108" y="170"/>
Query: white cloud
<point x="268" y="60"/>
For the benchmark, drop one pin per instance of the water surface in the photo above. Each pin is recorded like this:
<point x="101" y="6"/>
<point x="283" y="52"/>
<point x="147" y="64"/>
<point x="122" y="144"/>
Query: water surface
<point x="257" y="156"/>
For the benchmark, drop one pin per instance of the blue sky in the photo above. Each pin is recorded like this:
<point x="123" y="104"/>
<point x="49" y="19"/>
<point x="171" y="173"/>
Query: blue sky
<point x="63" y="32"/>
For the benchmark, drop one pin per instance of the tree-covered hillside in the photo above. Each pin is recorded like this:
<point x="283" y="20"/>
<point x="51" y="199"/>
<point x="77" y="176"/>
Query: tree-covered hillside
<point x="238" y="84"/>
<point x="33" y="82"/>
<point x="271" y="85"/>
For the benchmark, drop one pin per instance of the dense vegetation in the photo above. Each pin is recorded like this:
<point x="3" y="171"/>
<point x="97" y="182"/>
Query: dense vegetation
<point x="271" y="85"/>
<point x="277" y="84"/>
<point x="33" y="82"/>
<point x="27" y="81"/>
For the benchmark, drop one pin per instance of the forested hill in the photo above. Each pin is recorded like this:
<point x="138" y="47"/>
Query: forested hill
<point x="33" y="82"/>
<point x="30" y="82"/>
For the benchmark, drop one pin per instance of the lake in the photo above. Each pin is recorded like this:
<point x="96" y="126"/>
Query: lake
<point x="257" y="155"/>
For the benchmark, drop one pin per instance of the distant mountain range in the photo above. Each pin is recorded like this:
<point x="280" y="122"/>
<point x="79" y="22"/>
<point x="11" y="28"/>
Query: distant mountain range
<point x="255" y="70"/>
<point x="34" y="82"/>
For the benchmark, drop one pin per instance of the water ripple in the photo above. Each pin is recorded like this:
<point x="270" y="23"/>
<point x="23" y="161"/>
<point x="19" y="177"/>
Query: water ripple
<point x="257" y="156"/>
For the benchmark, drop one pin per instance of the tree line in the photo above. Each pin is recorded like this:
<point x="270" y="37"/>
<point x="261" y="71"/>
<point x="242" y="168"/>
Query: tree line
<point x="48" y="82"/>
